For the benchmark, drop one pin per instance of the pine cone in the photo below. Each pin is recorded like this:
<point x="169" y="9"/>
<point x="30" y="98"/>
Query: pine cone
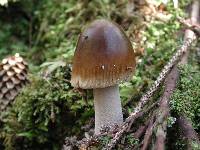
<point x="13" y="76"/>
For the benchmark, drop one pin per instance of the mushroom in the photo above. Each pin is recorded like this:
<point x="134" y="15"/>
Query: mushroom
<point x="103" y="58"/>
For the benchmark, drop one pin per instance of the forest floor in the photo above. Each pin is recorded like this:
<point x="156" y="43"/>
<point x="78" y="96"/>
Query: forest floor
<point x="49" y="112"/>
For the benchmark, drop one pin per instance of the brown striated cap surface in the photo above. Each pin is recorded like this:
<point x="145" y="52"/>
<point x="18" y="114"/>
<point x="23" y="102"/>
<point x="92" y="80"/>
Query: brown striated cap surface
<point x="103" y="56"/>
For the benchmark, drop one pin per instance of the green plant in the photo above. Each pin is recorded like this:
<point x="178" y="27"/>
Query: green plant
<point x="45" y="113"/>
<point x="186" y="98"/>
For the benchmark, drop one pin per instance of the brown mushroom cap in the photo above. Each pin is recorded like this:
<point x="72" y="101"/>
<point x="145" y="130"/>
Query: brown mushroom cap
<point x="103" y="57"/>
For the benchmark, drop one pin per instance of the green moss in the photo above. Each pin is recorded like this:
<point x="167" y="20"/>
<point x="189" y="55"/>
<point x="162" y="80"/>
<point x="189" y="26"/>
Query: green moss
<point x="127" y="142"/>
<point x="45" y="113"/>
<point x="195" y="145"/>
<point x="186" y="98"/>
<point x="49" y="109"/>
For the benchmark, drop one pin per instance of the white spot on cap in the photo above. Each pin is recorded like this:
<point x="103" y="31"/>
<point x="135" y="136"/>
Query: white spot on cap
<point x="103" y="67"/>
<point x="129" y="68"/>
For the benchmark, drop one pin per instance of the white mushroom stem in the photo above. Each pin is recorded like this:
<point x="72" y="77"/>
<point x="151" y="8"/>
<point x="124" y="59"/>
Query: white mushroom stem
<point x="108" y="109"/>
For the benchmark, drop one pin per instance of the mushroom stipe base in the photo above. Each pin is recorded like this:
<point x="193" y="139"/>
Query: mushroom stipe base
<point x="108" y="109"/>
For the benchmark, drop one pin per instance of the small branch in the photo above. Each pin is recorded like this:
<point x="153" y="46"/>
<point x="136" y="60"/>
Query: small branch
<point x="140" y="131"/>
<point x="148" y="134"/>
<point x="188" y="131"/>
<point x="140" y="114"/>
<point x="170" y="84"/>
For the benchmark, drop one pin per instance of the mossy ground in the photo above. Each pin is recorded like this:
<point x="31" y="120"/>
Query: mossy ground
<point x="45" y="32"/>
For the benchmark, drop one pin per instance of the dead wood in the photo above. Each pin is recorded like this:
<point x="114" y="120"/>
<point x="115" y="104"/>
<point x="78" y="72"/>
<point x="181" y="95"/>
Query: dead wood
<point x="170" y="84"/>
<point x="187" y="131"/>
<point x="148" y="134"/>
<point x="185" y="125"/>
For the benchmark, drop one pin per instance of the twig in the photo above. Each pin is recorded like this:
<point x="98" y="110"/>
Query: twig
<point x="188" y="131"/>
<point x="140" y="131"/>
<point x="170" y="84"/>
<point x="148" y="134"/>
<point x="140" y="114"/>
<point x="195" y="27"/>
